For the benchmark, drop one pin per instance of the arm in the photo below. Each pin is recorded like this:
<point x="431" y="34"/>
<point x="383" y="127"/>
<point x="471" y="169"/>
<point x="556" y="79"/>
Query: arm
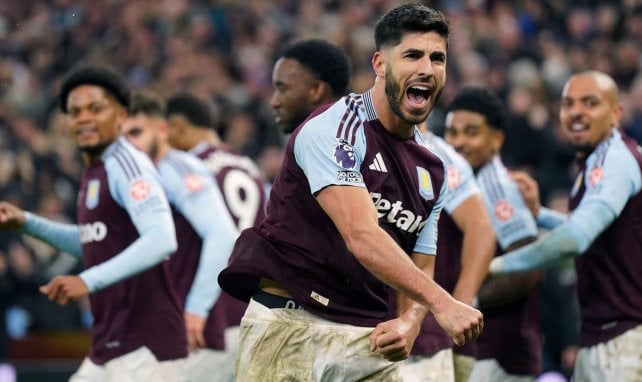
<point x="395" y="338"/>
<point x="478" y="247"/>
<point x="568" y="240"/>
<point x="64" y="237"/>
<point x="603" y="200"/>
<point x="218" y="236"/>
<point x="150" y="215"/>
<point x="355" y="217"/>
<point x="499" y="290"/>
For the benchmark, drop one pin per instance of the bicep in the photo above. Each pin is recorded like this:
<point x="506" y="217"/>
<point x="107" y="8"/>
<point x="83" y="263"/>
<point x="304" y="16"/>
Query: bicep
<point x="470" y="213"/>
<point x="349" y="208"/>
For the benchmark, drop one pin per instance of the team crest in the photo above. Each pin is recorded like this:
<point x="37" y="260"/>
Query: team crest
<point x="595" y="176"/>
<point x="577" y="184"/>
<point x="454" y="178"/>
<point x="344" y="154"/>
<point x="91" y="198"/>
<point x="503" y="210"/>
<point x="140" y="190"/>
<point x="193" y="182"/>
<point x="425" y="184"/>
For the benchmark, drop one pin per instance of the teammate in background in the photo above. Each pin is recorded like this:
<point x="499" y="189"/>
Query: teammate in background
<point x="124" y="232"/>
<point x="510" y="347"/>
<point x="466" y="246"/>
<point x="191" y="128"/>
<point x="354" y="208"/>
<point x="604" y="228"/>
<point x="309" y="73"/>
<point x="205" y="233"/>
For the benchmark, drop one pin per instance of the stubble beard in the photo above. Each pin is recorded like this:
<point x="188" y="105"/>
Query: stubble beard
<point x="394" y="95"/>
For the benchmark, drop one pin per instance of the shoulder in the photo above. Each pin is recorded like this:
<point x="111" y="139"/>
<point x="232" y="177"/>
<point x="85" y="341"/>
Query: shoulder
<point x="122" y="157"/>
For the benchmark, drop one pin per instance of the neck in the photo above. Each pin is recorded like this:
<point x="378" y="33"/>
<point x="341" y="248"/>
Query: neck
<point x="205" y="135"/>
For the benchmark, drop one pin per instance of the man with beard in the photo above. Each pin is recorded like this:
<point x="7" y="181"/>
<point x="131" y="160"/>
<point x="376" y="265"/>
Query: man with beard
<point x="353" y="210"/>
<point x="204" y="230"/>
<point x="124" y="233"/>
<point x="309" y="73"/>
<point x="602" y="232"/>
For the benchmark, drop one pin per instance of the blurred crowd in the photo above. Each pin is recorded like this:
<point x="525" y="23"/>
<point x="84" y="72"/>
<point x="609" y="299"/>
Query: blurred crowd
<point x="224" y="50"/>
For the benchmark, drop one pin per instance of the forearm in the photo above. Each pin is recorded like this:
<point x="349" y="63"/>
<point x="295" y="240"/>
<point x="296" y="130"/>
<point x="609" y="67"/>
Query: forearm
<point x="503" y="289"/>
<point x="148" y="250"/>
<point x="204" y="292"/>
<point x="378" y="253"/>
<point x="478" y="247"/>
<point x="564" y="242"/>
<point x="548" y="218"/>
<point x="65" y="237"/>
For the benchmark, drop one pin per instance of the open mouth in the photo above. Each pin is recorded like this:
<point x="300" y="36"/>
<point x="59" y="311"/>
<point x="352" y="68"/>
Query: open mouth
<point x="418" y="95"/>
<point x="578" y="127"/>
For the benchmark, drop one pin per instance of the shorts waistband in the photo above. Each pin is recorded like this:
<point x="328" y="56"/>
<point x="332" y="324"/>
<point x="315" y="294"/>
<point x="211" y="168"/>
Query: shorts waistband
<point x="273" y="301"/>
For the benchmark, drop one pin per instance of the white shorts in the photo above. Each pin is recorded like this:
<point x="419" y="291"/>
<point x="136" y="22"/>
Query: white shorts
<point x="435" y="368"/>
<point x="295" y="345"/>
<point x="136" y="366"/>
<point x="206" y="365"/>
<point x="489" y="370"/>
<point x="463" y="365"/>
<point x="616" y="360"/>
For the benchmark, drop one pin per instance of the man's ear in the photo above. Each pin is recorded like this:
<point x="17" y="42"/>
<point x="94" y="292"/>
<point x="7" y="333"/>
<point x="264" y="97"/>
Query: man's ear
<point x="379" y="63"/>
<point x="498" y="140"/>
<point x="320" y="92"/>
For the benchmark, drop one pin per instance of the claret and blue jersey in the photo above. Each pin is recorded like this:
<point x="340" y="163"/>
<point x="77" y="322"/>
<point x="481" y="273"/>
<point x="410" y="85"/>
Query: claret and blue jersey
<point x="299" y="246"/>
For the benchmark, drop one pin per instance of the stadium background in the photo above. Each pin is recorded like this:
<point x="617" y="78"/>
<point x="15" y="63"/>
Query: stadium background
<point x="224" y="50"/>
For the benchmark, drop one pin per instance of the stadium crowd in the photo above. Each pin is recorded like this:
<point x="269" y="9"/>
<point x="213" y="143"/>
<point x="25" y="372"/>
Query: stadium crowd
<point x="224" y="50"/>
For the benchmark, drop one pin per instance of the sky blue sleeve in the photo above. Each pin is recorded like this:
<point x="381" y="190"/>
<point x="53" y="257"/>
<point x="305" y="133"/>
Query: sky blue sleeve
<point x="511" y="218"/>
<point x="64" y="237"/>
<point x="607" y="192"/>
<point x="199" y="200"/>
<point x="461" y="186"/>
<point x="325" y="159"/>
<point x="151" y="216"/>
<point x="427" y="240"/>
<point x="549" y="219"/>
<point x="461" y="179"/>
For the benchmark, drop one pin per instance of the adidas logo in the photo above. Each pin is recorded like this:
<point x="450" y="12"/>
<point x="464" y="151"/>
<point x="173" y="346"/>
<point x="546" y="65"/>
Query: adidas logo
<point x="377" y="164"/>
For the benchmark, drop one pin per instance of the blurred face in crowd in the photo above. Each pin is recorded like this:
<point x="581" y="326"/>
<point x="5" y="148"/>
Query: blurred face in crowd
<point x="589" y="110"/>
<point x="93" y="117"/>
<point x="470" y="134"/>
<point x="415" y="73"/>
<point x="145" y="133"/>
<point x="297" y="92"/>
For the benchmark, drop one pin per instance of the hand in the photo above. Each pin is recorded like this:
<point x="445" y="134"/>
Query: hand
<point x="63" y="289"/>
<point x="529" y="189"/>
<point x="195" y="327"/>
<point x="496" y="266"/>
<point x="394" y="339"/>
<point x="11" y="217"/>
<point x="463" y="323"/>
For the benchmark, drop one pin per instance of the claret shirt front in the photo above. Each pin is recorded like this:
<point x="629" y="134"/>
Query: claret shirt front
<point x="297" y="244"/>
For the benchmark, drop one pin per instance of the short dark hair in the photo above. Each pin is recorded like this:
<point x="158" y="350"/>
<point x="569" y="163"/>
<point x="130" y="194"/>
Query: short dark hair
<point x="326" y="61"/>
<point x="147" y="103"/>
<point x="94" y="74"/>
<point x="483" y="101"/>
<point x="194" y="109"/>
<point x="409" y="18"/>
